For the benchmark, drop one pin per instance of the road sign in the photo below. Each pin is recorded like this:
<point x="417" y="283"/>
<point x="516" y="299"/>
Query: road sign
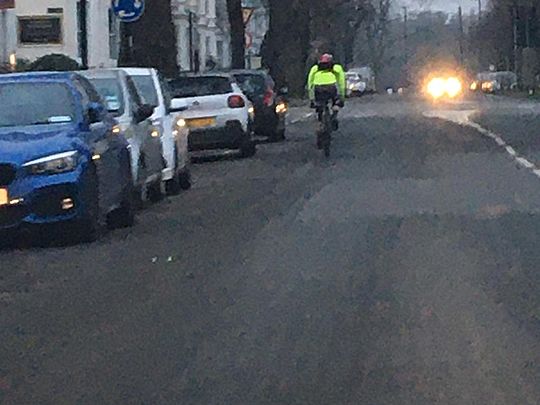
<point x="128" y="10"/>
<point x="247" y="13"/>
<point x="5" y="4"/>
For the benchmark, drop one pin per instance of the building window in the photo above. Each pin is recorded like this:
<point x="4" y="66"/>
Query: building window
<point x="207" y="45"/>
<point x="40" y="30"/>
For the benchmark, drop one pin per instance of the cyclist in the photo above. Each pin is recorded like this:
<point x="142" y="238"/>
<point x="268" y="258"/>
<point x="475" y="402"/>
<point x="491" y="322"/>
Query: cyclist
<point x="326" y="81"/>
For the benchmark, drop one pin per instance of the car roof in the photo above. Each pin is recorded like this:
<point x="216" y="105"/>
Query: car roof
<point x="249" y="72"/>
<point x="101" y="73"/>
<point x="38" y="76"/>
<point x="203" y="75"/>
<point x="138" y="71"/>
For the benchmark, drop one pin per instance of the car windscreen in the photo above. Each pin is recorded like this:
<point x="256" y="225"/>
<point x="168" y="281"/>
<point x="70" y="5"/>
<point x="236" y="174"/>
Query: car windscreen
<point x="251" y="84"/>
<point x="200" y="86"/>
<point x="147" y="89"/>
<point x="111" y="92"/>
<point x="23" y="104"/>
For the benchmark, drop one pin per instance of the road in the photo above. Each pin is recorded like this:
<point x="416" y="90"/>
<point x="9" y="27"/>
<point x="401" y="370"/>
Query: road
<point x="404" y="270"/>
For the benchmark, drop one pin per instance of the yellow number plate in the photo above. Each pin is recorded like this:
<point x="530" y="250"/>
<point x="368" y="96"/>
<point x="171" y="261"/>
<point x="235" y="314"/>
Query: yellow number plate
<point x="4" y="199"/>
<point x="201" y="122"/>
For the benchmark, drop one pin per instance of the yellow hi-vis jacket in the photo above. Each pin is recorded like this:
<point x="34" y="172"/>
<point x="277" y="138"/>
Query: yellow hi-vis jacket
<point x="317" y="77"/>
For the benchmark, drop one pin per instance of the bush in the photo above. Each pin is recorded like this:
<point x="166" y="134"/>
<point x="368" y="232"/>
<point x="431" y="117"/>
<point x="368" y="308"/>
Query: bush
<point x="54" y="62"/>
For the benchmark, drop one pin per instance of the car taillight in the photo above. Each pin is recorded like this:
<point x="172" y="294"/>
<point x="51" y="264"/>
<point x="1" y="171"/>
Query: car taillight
<point x="268" y="98"/>
<point x="236" y="102"/>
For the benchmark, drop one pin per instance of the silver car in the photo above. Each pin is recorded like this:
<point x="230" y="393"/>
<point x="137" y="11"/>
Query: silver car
<point x="123" y="100"/>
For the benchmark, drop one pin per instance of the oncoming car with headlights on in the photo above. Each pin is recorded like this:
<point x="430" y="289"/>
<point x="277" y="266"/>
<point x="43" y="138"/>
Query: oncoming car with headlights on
<point x="60" y="160"/>
<point x="447" y="87"/>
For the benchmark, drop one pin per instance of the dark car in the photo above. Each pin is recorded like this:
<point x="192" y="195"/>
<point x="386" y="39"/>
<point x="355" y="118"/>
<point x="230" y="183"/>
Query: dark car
<point x="270" y="105"/>
<point x="61" y="160"/>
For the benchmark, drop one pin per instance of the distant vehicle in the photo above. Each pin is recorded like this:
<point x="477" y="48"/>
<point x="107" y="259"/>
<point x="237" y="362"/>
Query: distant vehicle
<point x="218" y="113"/>
<point x="61" y="160"/>
<point x="366" y="75"/>
<point x="356" y="85"/>
<point x="270" y="106"/>
<point x="491" y="82"/>
<point x="172" y="129"/>
<point x="120" y="93"/>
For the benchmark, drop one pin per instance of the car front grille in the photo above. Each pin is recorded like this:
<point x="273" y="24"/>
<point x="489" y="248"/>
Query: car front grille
<point x="7" y="174"/>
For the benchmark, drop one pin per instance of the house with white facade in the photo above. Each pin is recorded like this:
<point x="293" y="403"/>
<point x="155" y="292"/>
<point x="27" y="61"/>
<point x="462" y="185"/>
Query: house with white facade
<point x="37" y="28"/>
<point x="201" y="34"/>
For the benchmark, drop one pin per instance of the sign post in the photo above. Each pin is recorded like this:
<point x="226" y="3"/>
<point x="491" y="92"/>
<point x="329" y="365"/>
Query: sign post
<point x="4" y="6"/>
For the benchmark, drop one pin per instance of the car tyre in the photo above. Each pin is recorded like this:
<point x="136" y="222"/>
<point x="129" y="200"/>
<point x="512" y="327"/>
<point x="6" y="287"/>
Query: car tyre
<point x="124" y="216"/>
<point x="154" y="191"/>
<point x="180" y="181"/>
<point x="248" y="148"/>
<point x="86" y="230"/>
<point x="279" y="135"/>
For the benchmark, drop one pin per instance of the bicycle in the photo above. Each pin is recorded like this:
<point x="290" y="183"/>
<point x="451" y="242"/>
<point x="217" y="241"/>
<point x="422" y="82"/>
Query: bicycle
<point x="326" y="119"/>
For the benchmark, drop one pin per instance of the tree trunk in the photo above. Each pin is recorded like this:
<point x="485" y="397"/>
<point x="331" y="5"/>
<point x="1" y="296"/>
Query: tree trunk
<point x="154" y="39"/>
<point x="236" y="21"/>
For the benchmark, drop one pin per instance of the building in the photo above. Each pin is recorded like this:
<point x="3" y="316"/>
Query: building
<point x="256" y="28"/>
<point x="202" y="38"/>
<point x="38" y="28"/>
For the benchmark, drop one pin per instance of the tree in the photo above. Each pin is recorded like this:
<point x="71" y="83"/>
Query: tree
<point x="236" y="22"/>
<point x="154" y="39"/>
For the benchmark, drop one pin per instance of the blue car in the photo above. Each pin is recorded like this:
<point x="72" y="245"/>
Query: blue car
<point x="62" y="159"/>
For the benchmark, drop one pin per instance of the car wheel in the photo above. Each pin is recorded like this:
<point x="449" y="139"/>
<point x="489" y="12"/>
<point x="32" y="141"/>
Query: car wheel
<point x="180" y="181"/>
<point x="279" y="136"/>
<point x="87" y="229"/>
<point x="248" y="149"/>
<point x="154" y="191"/>
<point x="124" y="216"/>
<point x="184" y="179"/>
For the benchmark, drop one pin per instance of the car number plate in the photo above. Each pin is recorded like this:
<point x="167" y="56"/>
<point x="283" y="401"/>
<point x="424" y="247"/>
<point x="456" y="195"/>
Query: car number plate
<point x="4" y="198"/>
<point x="201" y="122"/>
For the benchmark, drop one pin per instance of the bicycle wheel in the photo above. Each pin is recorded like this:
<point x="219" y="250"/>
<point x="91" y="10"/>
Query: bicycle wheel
<point x="327" y="121"/>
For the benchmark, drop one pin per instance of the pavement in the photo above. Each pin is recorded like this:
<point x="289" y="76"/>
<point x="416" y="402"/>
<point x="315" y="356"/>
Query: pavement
<point x="402" y="270"/>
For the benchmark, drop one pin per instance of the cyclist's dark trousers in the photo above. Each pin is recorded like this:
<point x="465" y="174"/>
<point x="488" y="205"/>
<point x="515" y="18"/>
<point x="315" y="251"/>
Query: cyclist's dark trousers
<point x="323" y="94"/>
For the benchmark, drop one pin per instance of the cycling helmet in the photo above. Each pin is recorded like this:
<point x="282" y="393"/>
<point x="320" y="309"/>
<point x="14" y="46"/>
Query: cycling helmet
<point x="326" y="61"/>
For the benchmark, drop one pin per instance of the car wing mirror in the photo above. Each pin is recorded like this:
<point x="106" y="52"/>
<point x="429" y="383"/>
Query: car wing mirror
<point x="178" y="105"/>
<point x="95" y="112"/>
<point x="144" y="112"/>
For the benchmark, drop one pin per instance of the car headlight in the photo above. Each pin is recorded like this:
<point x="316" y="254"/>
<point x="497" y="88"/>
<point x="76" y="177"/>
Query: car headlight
<point x="281" y="108"/>
<point x="54" y="164"/>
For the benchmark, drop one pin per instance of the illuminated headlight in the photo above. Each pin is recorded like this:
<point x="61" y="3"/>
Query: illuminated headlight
<point x="251" y="111"/>
<point x="181" y="123"/>
<point x="281" y="108"/>
<point x="351" y="86"/>
<point x="54" y="164"/>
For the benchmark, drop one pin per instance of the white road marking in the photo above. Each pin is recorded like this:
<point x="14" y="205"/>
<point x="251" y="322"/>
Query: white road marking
<point x="303" y="118"/>
<point x="463" y="118"/>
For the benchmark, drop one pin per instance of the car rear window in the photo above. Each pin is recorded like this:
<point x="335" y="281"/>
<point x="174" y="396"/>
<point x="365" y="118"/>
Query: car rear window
<point x="23" y="104"/>
<point x="199" y="86"/>
<point x="111" y="92"/>
<point x="251" y="84"/>
<point x="147" y="89"/>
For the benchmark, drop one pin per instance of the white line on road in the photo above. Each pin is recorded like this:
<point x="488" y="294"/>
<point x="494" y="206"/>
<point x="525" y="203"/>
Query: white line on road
<point x="463" y="118"/>
<point x="303" y="118"/>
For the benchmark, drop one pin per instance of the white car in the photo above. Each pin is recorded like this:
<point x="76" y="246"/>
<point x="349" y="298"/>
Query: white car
<point x="123" y="100"/>
<point x="171" y="128"/>
<point x="218" y="114"/>
<point x="355" y="84"/>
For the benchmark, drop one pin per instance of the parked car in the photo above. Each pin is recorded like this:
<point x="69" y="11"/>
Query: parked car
<point x="356" y="86"/>
<point x="270" y="106"/>
<point x="122" y="99"/>
<point x="218" y="113"/>
<point x="368" y="76"/>
<point x="172" y="129"/>
<point x="61" y="161"/>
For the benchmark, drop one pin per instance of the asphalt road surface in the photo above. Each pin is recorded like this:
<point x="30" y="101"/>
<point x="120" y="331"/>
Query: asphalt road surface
<point x="403" y="270"/>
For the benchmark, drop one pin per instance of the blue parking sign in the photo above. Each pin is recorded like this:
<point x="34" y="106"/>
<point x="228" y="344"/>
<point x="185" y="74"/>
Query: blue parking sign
<point x="128" y="10"/>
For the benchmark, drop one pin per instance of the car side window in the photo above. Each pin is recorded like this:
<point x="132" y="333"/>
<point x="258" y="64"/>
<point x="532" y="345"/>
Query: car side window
<point x="134" y="97"/>
<point x="85" y="98"/>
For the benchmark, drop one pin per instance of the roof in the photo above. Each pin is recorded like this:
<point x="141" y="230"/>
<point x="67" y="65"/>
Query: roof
<point x="138" y="71"/>
<point x="30" y="76"/>
<point x="101" y="73"/>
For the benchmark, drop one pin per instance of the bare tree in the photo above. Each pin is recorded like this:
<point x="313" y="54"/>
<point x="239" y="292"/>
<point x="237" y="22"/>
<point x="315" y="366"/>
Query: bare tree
<point x="236" y="21"/>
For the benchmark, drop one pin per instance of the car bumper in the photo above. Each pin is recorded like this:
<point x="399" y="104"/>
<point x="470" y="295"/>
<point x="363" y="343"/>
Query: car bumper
<point x="231" y="136"/>
<point x="44" y="200"/>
